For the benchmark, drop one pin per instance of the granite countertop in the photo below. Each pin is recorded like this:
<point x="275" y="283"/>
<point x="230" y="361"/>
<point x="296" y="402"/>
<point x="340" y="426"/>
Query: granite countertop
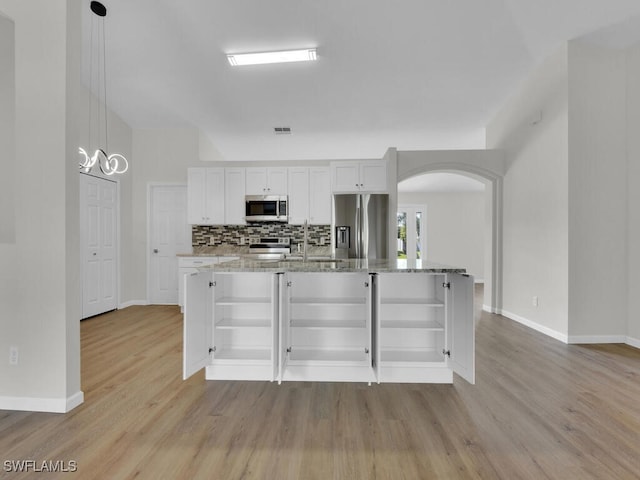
<point x="245" y="264"/>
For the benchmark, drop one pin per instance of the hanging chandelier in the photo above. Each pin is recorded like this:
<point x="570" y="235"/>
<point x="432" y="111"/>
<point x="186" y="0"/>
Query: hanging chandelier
<point x="108" y="163"/>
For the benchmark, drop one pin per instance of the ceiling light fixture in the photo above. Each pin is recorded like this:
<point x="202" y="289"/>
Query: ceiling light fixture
<point x="108" y="163"/>
<point x="285" y="56"/>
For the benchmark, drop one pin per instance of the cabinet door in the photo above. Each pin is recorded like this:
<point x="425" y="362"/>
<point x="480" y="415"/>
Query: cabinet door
<point x="196" y="191"/>
<point x="345" y="177"/>
<point x="197" y="324"/>
<point x="234" y="207"/>
<point x="319" y="196"/>
<point x="373" y="176"/>
<point x="277" y="181"/>
<point x="214" y="198"/>
<point x="298" y="195"/>
<point x="256" y="181"/>
<point x="461" y="333"/>
<point x="283" y="331"/>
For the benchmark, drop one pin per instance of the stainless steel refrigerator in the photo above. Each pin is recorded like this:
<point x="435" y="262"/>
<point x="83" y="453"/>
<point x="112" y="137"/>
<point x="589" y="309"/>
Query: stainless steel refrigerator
<point x="361" y="224"/>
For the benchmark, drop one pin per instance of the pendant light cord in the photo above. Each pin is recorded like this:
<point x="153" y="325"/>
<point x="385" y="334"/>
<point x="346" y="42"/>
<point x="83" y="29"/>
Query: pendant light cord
<point x="104" y="79"/>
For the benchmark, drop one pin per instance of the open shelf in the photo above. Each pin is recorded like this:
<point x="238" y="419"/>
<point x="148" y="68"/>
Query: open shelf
<point x="422" y="324"/>
<point x="243" y="323"/>
<point x="431" y="302"/>
<point x="243" y="300"/>
<point x="328" y="301"/>
<point x="328" y="356"/>
<point x="324" y="324"/>
<point x="410" y="356"/>
<point x="251" y="354"/>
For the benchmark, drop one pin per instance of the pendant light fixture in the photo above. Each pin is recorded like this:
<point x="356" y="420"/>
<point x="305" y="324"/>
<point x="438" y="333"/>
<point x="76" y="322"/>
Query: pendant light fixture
<point x="109" y="163"/>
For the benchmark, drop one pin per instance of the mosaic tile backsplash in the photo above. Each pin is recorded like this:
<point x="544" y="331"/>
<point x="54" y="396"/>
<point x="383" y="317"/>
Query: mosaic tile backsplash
<point x="217" y="235"/>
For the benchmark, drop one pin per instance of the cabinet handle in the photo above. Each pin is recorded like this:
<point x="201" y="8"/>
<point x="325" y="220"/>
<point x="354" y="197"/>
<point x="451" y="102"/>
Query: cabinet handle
<point x="155" y="250"/>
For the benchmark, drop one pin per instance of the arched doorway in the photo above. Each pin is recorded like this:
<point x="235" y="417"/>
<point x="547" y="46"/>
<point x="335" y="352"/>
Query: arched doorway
<point x="483" y="165"/>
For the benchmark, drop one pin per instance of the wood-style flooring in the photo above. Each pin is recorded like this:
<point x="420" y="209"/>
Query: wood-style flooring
<point x="539" y="410"/>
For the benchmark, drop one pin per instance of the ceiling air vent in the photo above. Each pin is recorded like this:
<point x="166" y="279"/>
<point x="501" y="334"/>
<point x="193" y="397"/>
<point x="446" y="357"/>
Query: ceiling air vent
<point x="282" y="130"/>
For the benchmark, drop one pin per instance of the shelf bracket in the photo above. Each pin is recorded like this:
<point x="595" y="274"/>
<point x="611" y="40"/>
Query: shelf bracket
<point x="446" y="352"/>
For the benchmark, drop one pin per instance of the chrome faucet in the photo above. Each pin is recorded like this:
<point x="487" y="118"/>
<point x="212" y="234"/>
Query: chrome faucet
<point x="306" y="241"/>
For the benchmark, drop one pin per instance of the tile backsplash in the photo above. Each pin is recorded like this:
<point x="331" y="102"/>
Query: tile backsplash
<point x="217" y="235"/>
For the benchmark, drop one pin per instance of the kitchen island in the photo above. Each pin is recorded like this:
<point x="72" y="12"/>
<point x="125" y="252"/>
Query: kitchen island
<point x="329" y="320"/>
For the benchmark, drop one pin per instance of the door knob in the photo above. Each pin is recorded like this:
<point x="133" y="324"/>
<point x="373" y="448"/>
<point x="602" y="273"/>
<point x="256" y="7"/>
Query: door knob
<point x="155" y="250"/>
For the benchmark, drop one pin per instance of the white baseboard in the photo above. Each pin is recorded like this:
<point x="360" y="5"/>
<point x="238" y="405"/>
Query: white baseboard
<point x="597" y="339"/>
<point x="536" y="326"/>
<point x="478" y="280"/>
<point x="35" y="404"/>
<point x="490" y="309"/>
<point x="131" y="303"/>
<point x="634" y="342"/>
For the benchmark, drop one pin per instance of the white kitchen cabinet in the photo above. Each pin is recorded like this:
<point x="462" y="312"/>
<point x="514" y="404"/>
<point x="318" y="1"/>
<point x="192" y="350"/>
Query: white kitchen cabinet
<point x="188" y="265"/>
<point x="424" y="332"/>
<point x="326" y="327"/>
<point x="205" y="196"/>
<point x="231" y="325"/>
<point x="367" y="176"/>
<point x="319" y="196"/>
<point x="309" y="195"/>
<point x="266" y="181"/>
<point x="356" y="326"/>
<point x="298" y="195"/>
<point x="234" y="206"/>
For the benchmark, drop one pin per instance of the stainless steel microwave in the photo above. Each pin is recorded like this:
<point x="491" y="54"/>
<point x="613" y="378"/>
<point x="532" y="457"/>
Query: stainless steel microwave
<point x="266" y="208"/>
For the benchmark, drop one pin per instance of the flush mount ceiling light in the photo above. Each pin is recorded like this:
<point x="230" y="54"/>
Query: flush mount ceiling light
<point x="285" y="56"/>
<point x="109" y="163"/>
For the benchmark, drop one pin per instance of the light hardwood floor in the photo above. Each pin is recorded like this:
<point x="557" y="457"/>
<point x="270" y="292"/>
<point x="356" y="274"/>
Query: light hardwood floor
<point x="539" y="410"/>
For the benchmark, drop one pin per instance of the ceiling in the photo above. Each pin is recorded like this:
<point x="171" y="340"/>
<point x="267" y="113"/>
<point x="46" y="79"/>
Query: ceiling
<point x="410" y="74"/>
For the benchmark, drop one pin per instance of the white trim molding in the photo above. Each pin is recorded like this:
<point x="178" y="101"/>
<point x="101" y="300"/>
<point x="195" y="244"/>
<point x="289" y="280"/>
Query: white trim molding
<point x="634" y="342"/>
<point x="48" y="405"/>
<point x="536" y="326"/>
<point x="586" y="339"/>
<point x="131" y="303"/>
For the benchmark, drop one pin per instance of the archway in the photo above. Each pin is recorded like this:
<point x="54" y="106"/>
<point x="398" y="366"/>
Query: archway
<point x="486" y="166"/>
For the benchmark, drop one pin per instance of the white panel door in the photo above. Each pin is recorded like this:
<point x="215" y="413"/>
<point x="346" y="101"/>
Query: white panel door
<point x="298" y="195"/>
<point x="98" y="236"/>
<point x="197" y="325"/>
<point x="319" y="196"/>
<point x="170" y="234"/>
<point x="461" y="331"/>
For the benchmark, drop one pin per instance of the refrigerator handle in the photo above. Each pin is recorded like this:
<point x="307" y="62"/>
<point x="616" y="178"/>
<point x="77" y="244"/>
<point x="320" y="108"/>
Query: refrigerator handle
<point x="358" y="232"/>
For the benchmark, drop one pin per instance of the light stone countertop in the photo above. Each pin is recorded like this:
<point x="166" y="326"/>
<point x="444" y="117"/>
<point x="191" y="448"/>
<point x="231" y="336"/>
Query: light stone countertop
<point x="245" y="264"/>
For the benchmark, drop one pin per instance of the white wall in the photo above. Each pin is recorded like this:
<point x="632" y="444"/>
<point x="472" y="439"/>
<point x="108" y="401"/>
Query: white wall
<point x="7" y="131"/>
<point x="455" y="228"/>
<point x="39" y="300"/>
<point x="532" y="129"/>
<point x="597" y="194"/>
<point x="633" y="199"/>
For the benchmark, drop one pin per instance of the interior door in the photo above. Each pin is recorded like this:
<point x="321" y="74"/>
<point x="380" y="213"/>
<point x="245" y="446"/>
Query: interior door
<point x="198" y="322"/>
<point x="98" y="237"/>
<point x="170" y="234"/>
<point x="461" y="329"/>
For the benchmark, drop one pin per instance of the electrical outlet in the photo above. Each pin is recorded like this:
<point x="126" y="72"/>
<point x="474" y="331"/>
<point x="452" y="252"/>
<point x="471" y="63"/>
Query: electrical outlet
<point x="13" y="355"/>
<point x="534" y="301"/>
<point x="322" y="241"/>
<point x="241" y="242"/>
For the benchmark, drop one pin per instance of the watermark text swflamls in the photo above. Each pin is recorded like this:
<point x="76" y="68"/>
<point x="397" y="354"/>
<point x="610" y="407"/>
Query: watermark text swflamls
<point x="57" y="466"/>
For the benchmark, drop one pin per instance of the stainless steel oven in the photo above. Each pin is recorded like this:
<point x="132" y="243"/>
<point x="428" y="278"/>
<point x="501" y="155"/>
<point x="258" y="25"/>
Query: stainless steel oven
<point x="266" y="208"/>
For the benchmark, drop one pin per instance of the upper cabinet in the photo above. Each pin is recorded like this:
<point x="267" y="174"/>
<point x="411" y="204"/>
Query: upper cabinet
<point x="319" y="196"/>
<point x="205" y="196"/>
<point x="266" y="181"/>
<point x="309" y="195"/>
<point x="234" y="206"/>
<point x="359" y="176"/>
